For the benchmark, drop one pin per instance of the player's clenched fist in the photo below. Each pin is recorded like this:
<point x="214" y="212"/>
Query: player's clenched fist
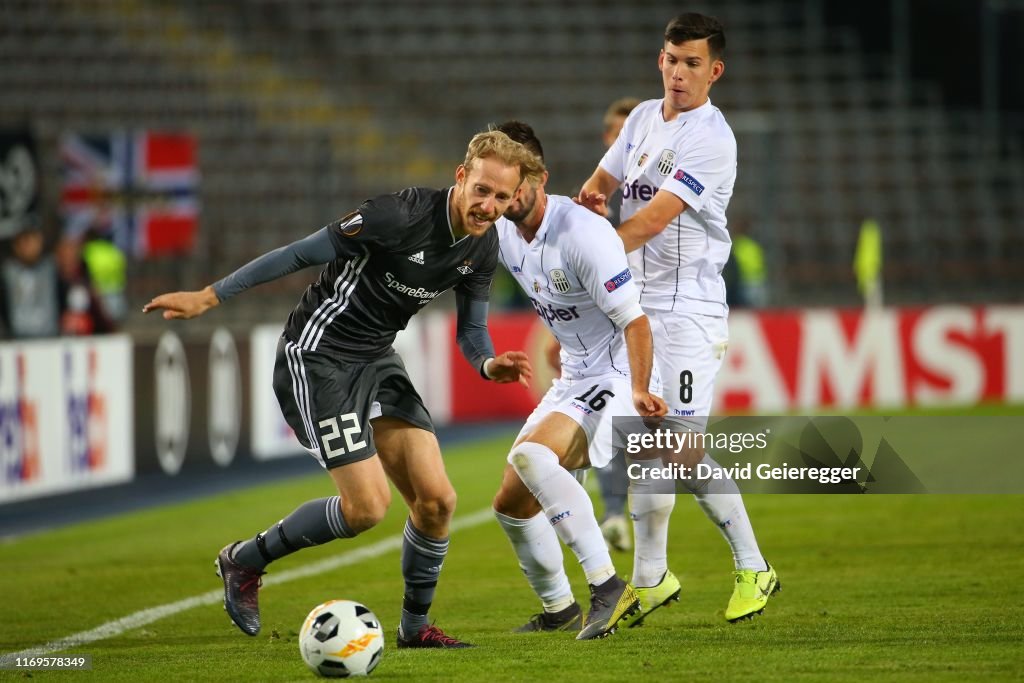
<point x="648" y="404"/>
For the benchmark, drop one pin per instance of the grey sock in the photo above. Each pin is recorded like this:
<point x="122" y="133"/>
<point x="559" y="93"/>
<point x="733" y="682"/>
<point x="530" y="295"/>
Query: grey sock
<point x="614" y="486"/>
<point x="422" y="558"/>
<point x="312" y="523"/>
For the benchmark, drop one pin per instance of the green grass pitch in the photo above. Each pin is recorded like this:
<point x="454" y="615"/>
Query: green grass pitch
<point x="874" y="587"/>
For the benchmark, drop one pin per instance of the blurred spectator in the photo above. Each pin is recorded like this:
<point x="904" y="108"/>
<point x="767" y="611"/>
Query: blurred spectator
<point x="614" y="117"/>
<point x="867" y="263"/>
<point x="105" y="264"/>
<point x="746" y="285"/>
<point x="29" y="281"/>
<point x="81" y="311"/>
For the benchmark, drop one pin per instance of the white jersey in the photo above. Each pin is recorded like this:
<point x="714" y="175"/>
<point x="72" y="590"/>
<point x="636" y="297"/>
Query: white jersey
<point x="693" y="157"/>
<point x="576" y="275"/>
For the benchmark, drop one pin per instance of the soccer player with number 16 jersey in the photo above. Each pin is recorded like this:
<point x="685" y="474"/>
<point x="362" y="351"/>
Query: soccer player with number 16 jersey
<point x="572" y="266"/>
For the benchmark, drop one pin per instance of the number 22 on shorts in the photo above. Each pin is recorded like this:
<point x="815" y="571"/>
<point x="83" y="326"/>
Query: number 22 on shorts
<point x="335" y="432"/>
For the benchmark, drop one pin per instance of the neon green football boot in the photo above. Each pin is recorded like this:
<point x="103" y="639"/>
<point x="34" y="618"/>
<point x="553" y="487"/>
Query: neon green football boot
<point x="751" y="593"/>
<point x="610" y="602"/>
<point x="652" y="598"/>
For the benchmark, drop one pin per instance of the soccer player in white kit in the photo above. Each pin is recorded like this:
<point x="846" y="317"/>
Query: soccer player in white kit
<point x="572" y="266"/>
<point x="676" y="162"/>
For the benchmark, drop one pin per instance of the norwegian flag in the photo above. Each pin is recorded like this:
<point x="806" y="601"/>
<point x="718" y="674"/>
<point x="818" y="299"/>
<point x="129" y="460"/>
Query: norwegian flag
<point x="138" y="187"/>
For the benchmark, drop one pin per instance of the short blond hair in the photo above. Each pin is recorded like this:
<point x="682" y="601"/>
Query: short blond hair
<point x="497" y="145"/>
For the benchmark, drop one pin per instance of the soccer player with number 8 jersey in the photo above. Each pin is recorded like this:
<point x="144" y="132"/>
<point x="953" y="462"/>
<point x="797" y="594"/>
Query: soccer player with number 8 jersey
<point x="675" y="160"/>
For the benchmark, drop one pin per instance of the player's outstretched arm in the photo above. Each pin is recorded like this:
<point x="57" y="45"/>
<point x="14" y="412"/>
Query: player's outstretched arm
<point x="312" y="250"/>
<point x="640" y="348"/>
<point x="183" y="305"/>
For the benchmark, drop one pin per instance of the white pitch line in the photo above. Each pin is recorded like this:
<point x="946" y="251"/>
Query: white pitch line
<point x="135" y="620"/>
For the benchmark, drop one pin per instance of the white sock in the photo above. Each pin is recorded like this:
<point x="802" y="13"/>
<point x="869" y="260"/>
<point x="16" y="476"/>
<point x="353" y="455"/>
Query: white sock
<point x="650" y="513"/>
<point x="540" y="557"/>
<point x="723" y="505"/>
<point x="566" y="506"/>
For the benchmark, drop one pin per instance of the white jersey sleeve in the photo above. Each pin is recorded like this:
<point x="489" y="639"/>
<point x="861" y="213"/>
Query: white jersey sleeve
<point x="595" y="254"/>
<point x="614" y="159"/>
<point x="701" y="170"/>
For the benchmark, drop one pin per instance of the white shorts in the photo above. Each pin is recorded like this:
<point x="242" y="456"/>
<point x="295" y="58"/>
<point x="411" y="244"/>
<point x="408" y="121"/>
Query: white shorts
<point x="591" y="403"/>
<point x="688" y="349"/>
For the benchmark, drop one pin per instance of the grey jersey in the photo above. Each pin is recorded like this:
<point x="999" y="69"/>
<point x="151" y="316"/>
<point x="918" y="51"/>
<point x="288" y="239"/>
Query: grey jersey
<point x="396" y="256"/>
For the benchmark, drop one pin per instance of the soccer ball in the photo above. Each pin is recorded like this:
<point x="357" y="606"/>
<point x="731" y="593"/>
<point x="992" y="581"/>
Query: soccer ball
<point x="341" y="638"/>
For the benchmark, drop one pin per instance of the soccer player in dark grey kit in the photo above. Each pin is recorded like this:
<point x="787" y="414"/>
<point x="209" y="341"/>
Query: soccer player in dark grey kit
<point x="344" y="389"/>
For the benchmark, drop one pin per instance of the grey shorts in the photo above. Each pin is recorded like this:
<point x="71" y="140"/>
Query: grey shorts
<point x="330" y="403"/>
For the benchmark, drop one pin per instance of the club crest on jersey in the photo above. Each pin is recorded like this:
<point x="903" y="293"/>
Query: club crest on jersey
<point x="465" y="267"/>
<point x="666" y="162"/>
<point x="688" y="180"/>
<point x="642" y="160"/>
<point x="559" y="281"/>
<point x="619" y="280"/>
<point x="417" y="258"/>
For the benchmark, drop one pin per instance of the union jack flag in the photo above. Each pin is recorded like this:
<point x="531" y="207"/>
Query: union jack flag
<point x="137" y="187"/>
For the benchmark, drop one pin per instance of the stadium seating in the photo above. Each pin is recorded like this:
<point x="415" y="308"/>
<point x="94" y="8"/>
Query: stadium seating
<point x="305" y="107"/>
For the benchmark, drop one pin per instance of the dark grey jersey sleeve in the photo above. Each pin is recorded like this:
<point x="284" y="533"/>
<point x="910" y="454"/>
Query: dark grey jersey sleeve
<point x="471" y="331"/>
<point x="316" y="249"/>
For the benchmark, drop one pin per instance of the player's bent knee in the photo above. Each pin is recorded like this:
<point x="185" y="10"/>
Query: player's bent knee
<point x="364" y="520"/>
<point x="366" y="511"/>
<point x="437" y="509"/>
<point x="515" y="504"/>
<point x="518" y="459"/>
<point x="689" y="456"/>
<point x="514" y="500"/>
<point x="527" y="455"/>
